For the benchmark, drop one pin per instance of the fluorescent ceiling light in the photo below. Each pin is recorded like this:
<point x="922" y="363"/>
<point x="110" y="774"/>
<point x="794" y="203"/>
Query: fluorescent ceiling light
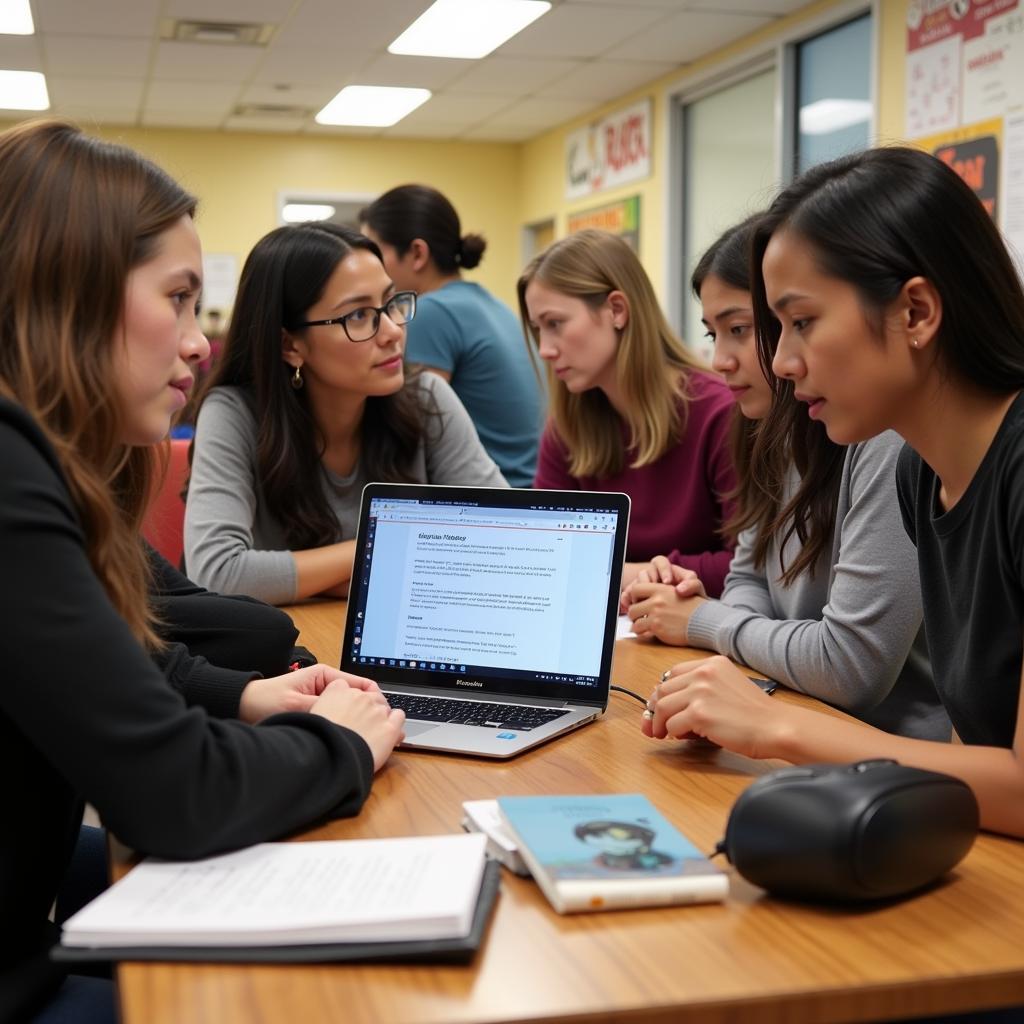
<point x="16" y="18"/>
<point x="469" y="29"/>
<point x="372" y="106"/>
<point x="295" y="213"/>
<point x="23" y="90"/>
<point x="824" y="116"/>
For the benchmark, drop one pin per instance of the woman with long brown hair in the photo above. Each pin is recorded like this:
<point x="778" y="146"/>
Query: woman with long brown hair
<point x="311" y="400"/>
<point x="823" y="593"/>
<point x="98" y="334"/>
<point x="631" y="409"/>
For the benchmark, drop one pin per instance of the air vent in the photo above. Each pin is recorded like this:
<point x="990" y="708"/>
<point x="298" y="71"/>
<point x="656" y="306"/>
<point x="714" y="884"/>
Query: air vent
<point x="271" y="110"/>
<point x="223" y="33"/>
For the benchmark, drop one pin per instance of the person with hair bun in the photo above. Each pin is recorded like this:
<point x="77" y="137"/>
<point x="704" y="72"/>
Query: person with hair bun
<point x="461" y="332"/>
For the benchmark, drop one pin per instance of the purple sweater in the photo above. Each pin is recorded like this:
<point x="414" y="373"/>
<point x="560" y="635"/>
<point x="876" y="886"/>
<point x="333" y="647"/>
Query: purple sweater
<point x="677" y="504"/>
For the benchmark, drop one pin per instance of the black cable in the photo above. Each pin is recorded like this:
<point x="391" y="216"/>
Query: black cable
<point x="631" y="693"/>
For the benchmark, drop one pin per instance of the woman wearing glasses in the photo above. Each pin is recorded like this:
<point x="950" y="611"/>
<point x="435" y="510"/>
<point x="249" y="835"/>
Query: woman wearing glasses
<point x="312" y="400"/>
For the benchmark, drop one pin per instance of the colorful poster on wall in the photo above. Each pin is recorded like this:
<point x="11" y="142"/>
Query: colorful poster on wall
<point x="621" y="218"/>
<point x="1013" y="176"/>
<point x="613" y="151"/>
<point x="974" y="153"/>
<point x="965" y="98"/>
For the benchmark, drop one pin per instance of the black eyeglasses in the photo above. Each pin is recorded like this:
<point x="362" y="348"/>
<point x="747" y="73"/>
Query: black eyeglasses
<point x="363" y="323"/>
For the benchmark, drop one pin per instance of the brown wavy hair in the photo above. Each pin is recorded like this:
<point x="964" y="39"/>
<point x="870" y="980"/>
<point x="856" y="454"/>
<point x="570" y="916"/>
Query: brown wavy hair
<point x="589" y="265"/>
<point x="76" y="216"/>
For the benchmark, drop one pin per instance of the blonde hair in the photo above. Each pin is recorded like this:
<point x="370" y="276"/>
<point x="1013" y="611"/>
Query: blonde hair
<point x="589" y="265"/>
<point x="76" y="216"/>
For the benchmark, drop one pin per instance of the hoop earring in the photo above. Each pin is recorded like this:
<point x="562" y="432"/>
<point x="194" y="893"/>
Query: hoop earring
<point x="297" y="381"/>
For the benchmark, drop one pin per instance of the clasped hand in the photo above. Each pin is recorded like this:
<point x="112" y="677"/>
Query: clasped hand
<point x="661" y="600"/>
<point x="354" y="702"/>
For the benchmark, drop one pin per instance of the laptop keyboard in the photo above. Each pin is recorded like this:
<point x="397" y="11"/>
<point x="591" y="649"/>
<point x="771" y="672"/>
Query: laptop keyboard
<point x="520" y="717"/>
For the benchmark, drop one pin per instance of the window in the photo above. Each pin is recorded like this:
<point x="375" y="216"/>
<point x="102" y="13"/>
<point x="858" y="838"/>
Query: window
<point x="833" y="93"/>
<point x="729" y="173"/>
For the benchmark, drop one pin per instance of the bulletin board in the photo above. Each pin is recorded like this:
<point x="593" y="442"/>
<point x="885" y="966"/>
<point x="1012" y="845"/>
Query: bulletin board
<point x="965" y="99"/>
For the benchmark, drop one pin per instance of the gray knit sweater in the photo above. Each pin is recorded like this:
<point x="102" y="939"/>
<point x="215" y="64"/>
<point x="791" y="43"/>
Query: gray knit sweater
<point x="851" y="634"/>
<point x="233" y="545"/>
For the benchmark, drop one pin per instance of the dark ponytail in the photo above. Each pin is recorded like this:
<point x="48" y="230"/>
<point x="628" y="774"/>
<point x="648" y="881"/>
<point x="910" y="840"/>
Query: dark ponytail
<point x="418" y="211"/>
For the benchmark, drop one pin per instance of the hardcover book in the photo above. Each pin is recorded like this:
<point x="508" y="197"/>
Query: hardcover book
<point x="608" y="851"/>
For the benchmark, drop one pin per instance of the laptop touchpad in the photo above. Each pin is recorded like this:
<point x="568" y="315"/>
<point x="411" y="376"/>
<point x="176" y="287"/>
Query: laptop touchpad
<point x="418" y="728"/>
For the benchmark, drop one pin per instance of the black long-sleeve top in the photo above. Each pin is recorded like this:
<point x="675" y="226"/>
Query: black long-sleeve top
<point x="86" y="715"/>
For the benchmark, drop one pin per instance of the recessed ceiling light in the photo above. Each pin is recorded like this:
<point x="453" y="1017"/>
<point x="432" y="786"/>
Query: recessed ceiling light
<point x="295" y="213"/>
<point x="469" y="29"/>
<point x="372" y="106"/>
<point x="16" y="18"/>
<point x="23" y="90"/>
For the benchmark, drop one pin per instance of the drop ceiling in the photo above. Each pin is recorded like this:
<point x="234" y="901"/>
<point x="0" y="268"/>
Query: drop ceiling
<point x="106" y="62"/>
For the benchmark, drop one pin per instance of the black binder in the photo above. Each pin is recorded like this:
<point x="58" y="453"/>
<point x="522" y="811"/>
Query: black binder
<point x="458" y="950"/>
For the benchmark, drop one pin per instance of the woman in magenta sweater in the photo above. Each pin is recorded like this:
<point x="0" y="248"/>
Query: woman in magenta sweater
<point x="631" y="409"/>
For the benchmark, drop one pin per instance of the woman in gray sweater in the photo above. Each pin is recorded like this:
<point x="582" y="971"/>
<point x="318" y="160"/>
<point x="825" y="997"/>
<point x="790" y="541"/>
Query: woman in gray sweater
<point x="823" y="591"/>
<point x="312" y="400"/>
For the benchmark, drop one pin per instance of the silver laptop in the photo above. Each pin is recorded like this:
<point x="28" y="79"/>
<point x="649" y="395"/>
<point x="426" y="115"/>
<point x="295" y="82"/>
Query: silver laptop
<point x="487" y="614"/>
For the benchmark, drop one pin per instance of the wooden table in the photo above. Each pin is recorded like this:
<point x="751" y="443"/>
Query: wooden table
<point x="750" y="960"/>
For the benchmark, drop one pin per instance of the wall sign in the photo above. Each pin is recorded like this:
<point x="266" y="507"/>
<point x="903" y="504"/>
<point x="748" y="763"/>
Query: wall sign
<point x="613" y="151"/>
<point x="622" y="218"/>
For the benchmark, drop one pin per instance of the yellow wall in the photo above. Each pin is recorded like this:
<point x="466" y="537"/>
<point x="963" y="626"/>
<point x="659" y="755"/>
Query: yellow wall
<point x="543" y="162"/>
<point x="237" y="177"/>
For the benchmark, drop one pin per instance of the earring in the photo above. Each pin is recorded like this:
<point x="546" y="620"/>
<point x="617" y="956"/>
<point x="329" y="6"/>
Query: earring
<point x="297" y="381"/>
<point x="915" y="342"/>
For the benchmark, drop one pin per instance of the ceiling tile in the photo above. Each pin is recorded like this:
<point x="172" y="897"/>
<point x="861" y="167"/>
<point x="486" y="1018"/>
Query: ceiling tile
<point x="182" y="118"/>
<point x="212" y="96"/>
<point x="306" y="67"/>
<point x="490" y="133"/>
<point x="686" y="36"/>
<point x="296" y="96"/>
<point x="264" y="124"/>
<point x="97" y="17"/>
<point x="351" y="25"/>
<point x="770" y="7"/>
<point x="96" y="56"/>
<point x="540" y="113"/>
<point x="605" y="79"/>
<point x="412" y="72"/>
<point x="511" y="76"/>
<point x="95" y="92"/>
<point x="274" y="11"/>
<point x="457" y="109"/>
<point x="209" y="62"/>
<point x="20" y="53"/>
<point x="579" y="30"/>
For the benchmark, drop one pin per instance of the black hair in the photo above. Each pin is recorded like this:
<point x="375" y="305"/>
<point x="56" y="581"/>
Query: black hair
<point x="418" y="211"/>
<point x="283" y="277"/>
<point x="878" y="218"/>
<point x="764" y="452"/>
<point x="728" y="257"/>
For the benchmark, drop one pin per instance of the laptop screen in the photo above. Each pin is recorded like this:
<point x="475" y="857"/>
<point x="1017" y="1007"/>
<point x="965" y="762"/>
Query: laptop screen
<point x="488" y="589"/>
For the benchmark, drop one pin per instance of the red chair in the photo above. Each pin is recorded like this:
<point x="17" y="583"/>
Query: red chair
<point x="164" y="524"/>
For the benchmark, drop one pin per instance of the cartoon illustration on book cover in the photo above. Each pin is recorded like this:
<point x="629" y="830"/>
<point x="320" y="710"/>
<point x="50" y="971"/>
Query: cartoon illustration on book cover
<point x="623" y="846"/>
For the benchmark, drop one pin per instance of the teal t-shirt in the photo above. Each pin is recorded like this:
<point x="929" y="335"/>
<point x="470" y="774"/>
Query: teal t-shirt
<point x="465" y="331"/>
